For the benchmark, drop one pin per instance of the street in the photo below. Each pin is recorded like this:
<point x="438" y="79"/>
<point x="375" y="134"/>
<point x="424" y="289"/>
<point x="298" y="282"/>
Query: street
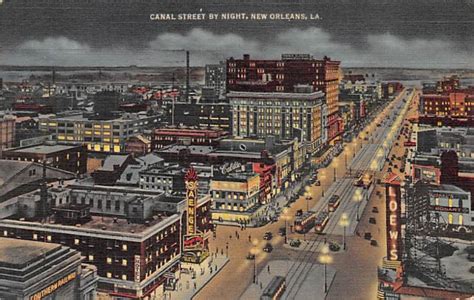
<point x="366" y="153"/>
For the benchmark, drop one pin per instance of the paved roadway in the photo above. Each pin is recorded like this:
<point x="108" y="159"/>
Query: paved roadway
<point x="238" y="274"/>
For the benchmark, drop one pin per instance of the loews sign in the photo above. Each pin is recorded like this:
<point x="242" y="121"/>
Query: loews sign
<point x="393" y="209"/>
<point x="191" y="199"/>
<point x="54" y="286"/>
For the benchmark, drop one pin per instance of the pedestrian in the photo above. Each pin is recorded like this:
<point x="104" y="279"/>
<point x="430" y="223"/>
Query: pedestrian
<point x="230" y="236"/>
<point x="215" y="268"/>
<point x="222" y="251"/>
<point x="268" y="269"/>
<point x="261" y="286"/>
<point x="236" y="234"/>
<point x="195" y="285"/>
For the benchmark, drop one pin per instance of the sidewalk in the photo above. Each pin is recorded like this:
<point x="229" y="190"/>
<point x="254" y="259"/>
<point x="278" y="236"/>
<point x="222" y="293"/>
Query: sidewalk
<point x="310" y="287"/>
<point x="186" y="286"/>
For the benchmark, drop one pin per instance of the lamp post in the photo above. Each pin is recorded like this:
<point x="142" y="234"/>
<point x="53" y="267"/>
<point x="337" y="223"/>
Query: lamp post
<point x="334" y="173"/>
<point x="357" y="198"/>
<point x="286" y="217"/>
<point x="344" y="222"/>
<point x="325" y="258"/>
<point x="254" y="252"/>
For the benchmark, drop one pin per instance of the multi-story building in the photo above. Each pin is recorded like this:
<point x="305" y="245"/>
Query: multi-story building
<point x="138" y="145"/>
<point x="99" y="135"/>
<point x="247" y="75"/>
<point x="186" y="136"/>
<point x="235" y="196"/>
<point x="36" y="270"/>
<point x="7" y="131"/>
<point x="454" y="104"/>
<point x="278" y="114"/>
<point x="131" y="258"/>
<point x="216" y="78"/>
<point x="216" y="115"/>
<point x="72" y="158"/>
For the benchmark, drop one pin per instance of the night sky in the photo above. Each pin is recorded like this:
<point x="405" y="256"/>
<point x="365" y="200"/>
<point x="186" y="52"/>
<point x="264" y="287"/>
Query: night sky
<point x="378" y="33"/>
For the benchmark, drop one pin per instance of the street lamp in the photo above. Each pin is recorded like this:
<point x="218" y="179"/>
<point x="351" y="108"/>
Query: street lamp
<point x="357" y="198"/>
<point x="334" y="169"/>
<point x="286" y="217"/>
<point x="254" y="252"/>
<point x="325" y="258"/>
<point x="344" y="222"/>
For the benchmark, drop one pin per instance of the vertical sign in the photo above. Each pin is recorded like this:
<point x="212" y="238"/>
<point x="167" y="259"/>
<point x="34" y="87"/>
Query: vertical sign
<point x="137" y="268"/>
<point x="191" y="198"/>
<point x="393" y="214"/>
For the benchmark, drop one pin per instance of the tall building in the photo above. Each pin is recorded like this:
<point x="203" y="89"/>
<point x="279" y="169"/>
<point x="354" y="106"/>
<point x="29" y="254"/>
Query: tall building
<point x="7" y="131"/>
<point x="247" y="75"/>
<point x="257" y="114"/>
<point x="216" y="78"/>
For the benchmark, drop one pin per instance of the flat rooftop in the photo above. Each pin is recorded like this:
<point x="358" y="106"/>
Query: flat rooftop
<point x="21" y="252"/>
<point x="120" y="225"/>
<point x="44" y="149"/>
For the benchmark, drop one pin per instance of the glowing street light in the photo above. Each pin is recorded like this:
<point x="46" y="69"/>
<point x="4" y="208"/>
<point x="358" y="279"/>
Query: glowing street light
<point x="325" y="258"/>
<point x="286" y="216"/>
<point x="357" y="198"/>
<point x="344" y="222"/>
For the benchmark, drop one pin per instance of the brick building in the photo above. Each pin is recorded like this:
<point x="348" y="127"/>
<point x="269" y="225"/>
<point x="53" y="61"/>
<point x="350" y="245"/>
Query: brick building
<point x="7" y="131"/>
<point x="249" y="75"/>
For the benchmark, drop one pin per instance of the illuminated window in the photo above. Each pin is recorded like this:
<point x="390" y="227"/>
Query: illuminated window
<point x="109" y="275"/>
<point x="5" y="233"/>
<point x="106" y="126"/>
<point x="106" y="132"/>
<point x="107" y="148"/>
<point x="116" y="141"/>
<point x="35" y="236"/>
<point x="125" y="247"/>
<point x="96" y="147"/>
<point x="70" y="138"/>
<point x="461" y="220"/>
<point x="76" y="241"/>
<point x="61" y="137"/>
<point x="91" y="257"/>
<point x="49" y="238"/>
<point x="116" y="148"/>
<point x="436" y="201"/>
<point x="124" y="262"/>
<point x="124" y="277"/>
<point x="96" y="132"/>
<point x="450" y="202"/>
<point x="88" y="132"/>
<point x="109" y="260"/>
<point x="97" y="126"/>
<point x="67" y="156"/>
<point x="106" y="140"/>
<point x="450" y="218"/>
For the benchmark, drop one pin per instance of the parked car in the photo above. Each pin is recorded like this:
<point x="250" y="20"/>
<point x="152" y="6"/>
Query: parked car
<point x="299" y="212"/>
<point x="250" y="256"/>
<point x="268" y="248"/>
<point x="368" y="236"/>
<point x="372" y="220"/>
<point x="267" y="236"/>
<point x="373" y="243"/>
<point x="295" y="243"/>
<point x="333" y="246"/>
<point x="282" y="231"/>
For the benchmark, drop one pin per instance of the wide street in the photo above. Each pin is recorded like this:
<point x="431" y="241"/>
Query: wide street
<point x="356" y="267"/>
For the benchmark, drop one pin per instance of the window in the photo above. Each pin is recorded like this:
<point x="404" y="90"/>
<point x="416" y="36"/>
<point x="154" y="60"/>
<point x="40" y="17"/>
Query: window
<point x="124" y="277"/>
<point x="91" y="257"/>
<point x="124" y="247"/>
<point x="117" y="205"/>
<point x="461" y="220"/>
<point x="76" y="241"/>
<point x="450" y="218"/>
<point x="99" y="204"/>
<point x="124" y="262"/>
<point x="109" y="260"/>
<point x="450" y="202"/>
<point x="109" y="275"/>
<point x="35" y="236"/>
<point x="5" y="233"/>
<point x="49" y="238"/>
<point x="108" y="204"/>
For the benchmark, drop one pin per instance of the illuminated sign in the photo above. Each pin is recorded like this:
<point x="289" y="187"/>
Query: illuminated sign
<point x="53" y="287"/>
<point x="137" y="268"/>
<point x="193" y="242"/>
<point x="393" y="209"/>
<point x="191" y="198"/>
<point x="463" y="210"/>
<point x="229" y="167"/>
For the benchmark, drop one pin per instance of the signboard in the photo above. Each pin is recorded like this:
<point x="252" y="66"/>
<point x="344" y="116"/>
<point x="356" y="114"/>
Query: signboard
<point x="461" y="210"/>
<point x="193" y="242"/>
<point x="295" y="56"/>
<point x="191" y="199"/>
<point x="137" y="267"/>
<point x="393" y="211"/>
<point x="228" y="167"/>
<point x="53" y="287"/>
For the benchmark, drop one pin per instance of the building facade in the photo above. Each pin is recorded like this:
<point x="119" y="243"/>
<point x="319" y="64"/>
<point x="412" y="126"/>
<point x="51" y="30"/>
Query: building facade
<point x="7" y="131"/>
<point x="278" y="114"/>
<point x="99" y="135"/>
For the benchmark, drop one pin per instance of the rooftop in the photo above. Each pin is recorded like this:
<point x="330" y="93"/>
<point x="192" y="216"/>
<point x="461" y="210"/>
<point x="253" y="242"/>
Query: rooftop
<point x="44" y="149"/>
<point x="20" y="252"/>
<point x="297" y="96"/>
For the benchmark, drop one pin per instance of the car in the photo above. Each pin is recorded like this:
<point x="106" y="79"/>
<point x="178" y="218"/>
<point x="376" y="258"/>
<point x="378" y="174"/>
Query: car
<point x="299" y="212"/>
<point x="295" y="243"/>
<point x="375" y="209"/>
<point x="250" y="256"/>
<point x="282" y="231"/>
<point x="268" y="248"/>
<point x="333" y="246"/>
<point x="389" y="170"/>
<point x="373" y="243"/>
<point x="368" y="236"/>
<point x="268" y="236"/>
<point x="317" y="183"/>
<point x="372" y="220"/>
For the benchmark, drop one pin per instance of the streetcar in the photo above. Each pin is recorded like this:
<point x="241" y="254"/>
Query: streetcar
<point x="305" y="222"/>
<point x="334" y="202"/>
<point x="275" y="289"/>
<point x="321" y="221"/>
